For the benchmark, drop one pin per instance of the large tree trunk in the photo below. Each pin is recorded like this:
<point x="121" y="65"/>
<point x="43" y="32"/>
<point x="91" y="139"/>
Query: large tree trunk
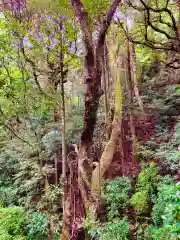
<point x="111" y="146"/>
<point x="93" y="92"/>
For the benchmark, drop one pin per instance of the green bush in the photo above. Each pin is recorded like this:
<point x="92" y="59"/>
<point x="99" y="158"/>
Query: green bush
<point x="35" y="226"/>
<point x="166" y="193"/>
<point x="15" y="224"/>
<point x="166" y="212"/>
<point x="169" y="152"/>
<point x="116" y="230"/>
<point x="145" y="189"/>
<point x="154" y="233"/>
<point x="11" y="223"/>
<point x="140" y="201"/>
<point x="9" y="166"/>
<point x="8" y="196"/>
<point x="117" y="195"/>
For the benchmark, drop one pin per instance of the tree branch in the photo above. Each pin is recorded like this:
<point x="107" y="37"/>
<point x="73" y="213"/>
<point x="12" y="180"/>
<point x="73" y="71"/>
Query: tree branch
<point x="148" y="43"/>
<point x="154" y="27"/>
<point x="160" y="10"/>
<point x="82" y="16"/>
<point x="106" y="22"/>
<point x="33" y="67"/>
<point x="11" y="130"/>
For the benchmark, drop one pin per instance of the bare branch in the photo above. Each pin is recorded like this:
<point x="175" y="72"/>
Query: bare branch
<point x="156" y="28"/>
<point x="163" y="22"/>
<point x="148" y="43"/>
<point x="160" y="10"/>
<point x="11" y="130"/>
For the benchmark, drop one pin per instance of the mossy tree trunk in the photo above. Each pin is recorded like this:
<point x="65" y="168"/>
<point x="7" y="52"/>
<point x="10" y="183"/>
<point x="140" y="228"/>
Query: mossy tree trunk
<point x="111" y="146"/>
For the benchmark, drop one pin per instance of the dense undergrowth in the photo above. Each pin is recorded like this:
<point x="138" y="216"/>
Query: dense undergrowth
<point x="155" y="201"/>
<point x="143" y="207"/>
<point x="155" y="215"/>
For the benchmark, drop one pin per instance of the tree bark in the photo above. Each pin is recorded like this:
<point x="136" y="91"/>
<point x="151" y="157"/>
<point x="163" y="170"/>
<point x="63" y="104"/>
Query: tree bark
<point x="131" y="104"/>
<point x="63" y="132"/>
<point x="92" y="94"/>
<point x="111" y="146"/>
<point x="104" y="67"/>
<point x="134" y="77"/>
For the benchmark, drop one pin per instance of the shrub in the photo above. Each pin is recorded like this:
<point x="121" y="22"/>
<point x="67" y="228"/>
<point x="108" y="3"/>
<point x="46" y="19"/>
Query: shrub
<point x="169" y="152"/>
<point x="11" y="223"/>
<point x="8" y="196"/>
<point x="140" y="201"/>
<point x="116" y="230"/>
<point x="36" y="226"/>
<point x="166" y="193"/>
<point x="145" y="189"/>
<point x="116" y="196"/>
<point x="166" y="212"/>
<point x="154" y="233"/>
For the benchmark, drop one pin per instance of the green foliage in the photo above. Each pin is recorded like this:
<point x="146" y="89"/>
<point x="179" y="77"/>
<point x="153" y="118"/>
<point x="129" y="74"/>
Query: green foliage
<point x="145" y="56"/>
<point x="11" y="223"/>
<point x="140" y="201"/>
<point x="35" y="226"/>
<point x="166" y="193"/>
<point x="8" y="196"/>
<point x="94" y="8"/>
<point x="145" y="189"/>
<point x="154" y="233"/>
<point x="9" y="165"/>
<point x="116" y="230"/>
<point x="169" y="151"/>
<point x="116" y="196"/>
<point x="15" y="224"/>
<point x="166" y="212"/>
<point x="50" y="139"/>
<point x="51" y="200"/>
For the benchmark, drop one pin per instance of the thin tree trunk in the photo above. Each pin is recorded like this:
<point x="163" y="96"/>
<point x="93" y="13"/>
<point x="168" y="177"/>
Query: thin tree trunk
<point x="131" y="104"/>
<point x="121" y="144"/>
<point x="63" y="132"/>
<point x="107" y="71"/>
<point x="105" y="84"/>
<point x="56" y="116"/>
<point x="65" y="201"/>
<point x="134" y="76"/>
<point x="104" y="75"/>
